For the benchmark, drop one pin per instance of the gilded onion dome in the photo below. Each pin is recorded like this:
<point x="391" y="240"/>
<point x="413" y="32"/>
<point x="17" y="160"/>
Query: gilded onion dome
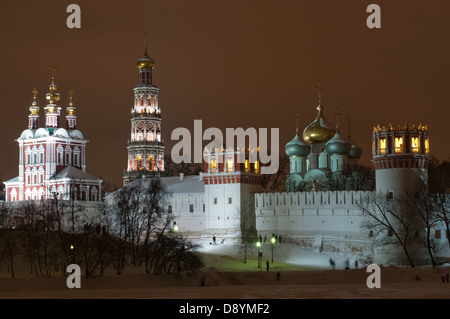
<point x="71" y="107"/>
<point x="145" y="62"/>
<point x="297" y="147"/>
<point x="337" y="145"/>
<point x="34" y="108"/>
<point x="320" y="130"/>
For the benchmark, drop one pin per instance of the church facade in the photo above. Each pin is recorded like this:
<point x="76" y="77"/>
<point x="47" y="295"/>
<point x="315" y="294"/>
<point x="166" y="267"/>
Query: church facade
<point x="52" y="159"/>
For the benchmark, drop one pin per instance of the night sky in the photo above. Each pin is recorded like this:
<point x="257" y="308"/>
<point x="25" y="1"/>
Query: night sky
<point x="229" y="63"/>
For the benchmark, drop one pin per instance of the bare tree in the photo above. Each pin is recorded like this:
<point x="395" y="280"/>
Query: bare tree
<point x="438" y="189"/>
<point x="420" y="204"/>
<point x="390" y="222"/>
<point x="277" y="182"/>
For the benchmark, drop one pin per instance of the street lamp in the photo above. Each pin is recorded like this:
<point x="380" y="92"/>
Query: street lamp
<point x="273" y="241"/>
<point x="258" y="244"/>
<point x="174" y="229"/>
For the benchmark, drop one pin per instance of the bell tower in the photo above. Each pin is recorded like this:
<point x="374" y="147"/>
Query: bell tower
<point x="145" y="146"/>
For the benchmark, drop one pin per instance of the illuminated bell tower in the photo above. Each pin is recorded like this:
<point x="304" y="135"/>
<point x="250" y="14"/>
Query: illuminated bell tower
<point x="145" y="147"/>
<point x="400" y="158"/>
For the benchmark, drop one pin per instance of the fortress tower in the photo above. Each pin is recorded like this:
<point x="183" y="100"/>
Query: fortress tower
<point x="400" y="157"/>
<point x="231" y="181"/>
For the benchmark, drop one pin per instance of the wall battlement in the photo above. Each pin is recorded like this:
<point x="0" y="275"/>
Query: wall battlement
<point x="316" y="200"/>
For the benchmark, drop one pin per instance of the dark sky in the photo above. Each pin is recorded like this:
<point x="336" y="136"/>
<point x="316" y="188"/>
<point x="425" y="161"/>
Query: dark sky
<point x="229" y="63"/>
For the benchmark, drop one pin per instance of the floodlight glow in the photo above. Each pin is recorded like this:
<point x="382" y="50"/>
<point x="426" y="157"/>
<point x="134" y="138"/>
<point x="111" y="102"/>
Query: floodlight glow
<point x="273" y="240"/>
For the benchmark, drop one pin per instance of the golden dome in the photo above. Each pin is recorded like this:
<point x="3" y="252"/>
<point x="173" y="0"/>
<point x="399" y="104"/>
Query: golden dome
<point x="34" y="108"/>
<point x="71" y="108"/>
<point x="319" y="131"/>
<point x="145" y="62"/>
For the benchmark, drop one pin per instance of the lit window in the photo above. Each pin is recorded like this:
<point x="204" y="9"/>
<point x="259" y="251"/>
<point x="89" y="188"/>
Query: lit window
<point x="246" y="166"/>
<point x="415" y="144"/>
<point x="229" y="165"/>
<point x="382" y="145"/>
<point x="398" y="144"/>
<point x="256" y="166"/>
<point x="427" y="146"/>
<point x="213" y="166"/>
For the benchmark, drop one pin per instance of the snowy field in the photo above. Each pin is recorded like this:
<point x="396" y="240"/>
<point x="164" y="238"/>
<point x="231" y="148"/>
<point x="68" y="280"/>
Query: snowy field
<point x="303" y="274"/>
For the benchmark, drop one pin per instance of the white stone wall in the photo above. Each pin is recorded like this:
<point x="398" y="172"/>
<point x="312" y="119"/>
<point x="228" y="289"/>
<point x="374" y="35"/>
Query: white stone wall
<point x="311" y="213"/>
<point x="186" y="220"/>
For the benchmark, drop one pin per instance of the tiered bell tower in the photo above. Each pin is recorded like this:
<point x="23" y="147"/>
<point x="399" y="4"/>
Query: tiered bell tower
<point x="145" y="146"/>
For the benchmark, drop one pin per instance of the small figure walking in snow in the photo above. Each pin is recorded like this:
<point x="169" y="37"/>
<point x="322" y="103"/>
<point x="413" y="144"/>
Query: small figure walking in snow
<point x="214" y="239"/>
<point x="267" y="265"/>
<point x="332" y="263"/>
<point x="203" y="281"/>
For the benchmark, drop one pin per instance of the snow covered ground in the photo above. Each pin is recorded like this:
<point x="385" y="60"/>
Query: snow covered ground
<point x="286" y="253"/>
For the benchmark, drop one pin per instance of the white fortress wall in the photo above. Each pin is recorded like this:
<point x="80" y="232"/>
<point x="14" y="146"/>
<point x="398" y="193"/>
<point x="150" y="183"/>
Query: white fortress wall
<point x="329" y="213"/>
<point x="188" y="210"/>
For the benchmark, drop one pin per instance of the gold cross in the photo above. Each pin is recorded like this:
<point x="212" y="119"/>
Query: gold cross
<point x="53" y="69"/>
<point x="320" y="89"/>
<point x="71" y="93"/>
<point x="35" y="92"/>
<point x="145" y="40"/>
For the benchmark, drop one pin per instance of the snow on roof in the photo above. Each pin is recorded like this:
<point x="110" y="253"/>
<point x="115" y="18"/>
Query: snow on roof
<point x="189" y="184"/>
<point x="74" y="173"/>
<point x="13" y="180"/>
<point x="174" y="185"/>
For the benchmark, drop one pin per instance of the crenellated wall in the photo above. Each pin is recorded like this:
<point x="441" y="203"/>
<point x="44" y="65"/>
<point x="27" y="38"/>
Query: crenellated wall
<point x="297" y="214"/>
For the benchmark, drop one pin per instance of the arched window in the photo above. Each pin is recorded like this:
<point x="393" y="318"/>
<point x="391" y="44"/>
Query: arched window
<point x="213" y="166"/>
<point x="398" y="143"/>
<point x="230" y="165"/>
<point x="382" y="146"/>
<point x="415" y="144"/>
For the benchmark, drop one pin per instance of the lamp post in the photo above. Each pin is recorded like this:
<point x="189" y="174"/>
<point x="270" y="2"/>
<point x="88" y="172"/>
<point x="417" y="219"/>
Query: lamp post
<point x="273" y="241"/>
<point x="175" y="229"/>
<point x="258" y="244"/>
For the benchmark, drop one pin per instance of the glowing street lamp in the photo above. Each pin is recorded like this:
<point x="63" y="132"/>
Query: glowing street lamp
<point x="258" y="244"/>
<point x="273" y="241"/>
<point x="174" y="229"/>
